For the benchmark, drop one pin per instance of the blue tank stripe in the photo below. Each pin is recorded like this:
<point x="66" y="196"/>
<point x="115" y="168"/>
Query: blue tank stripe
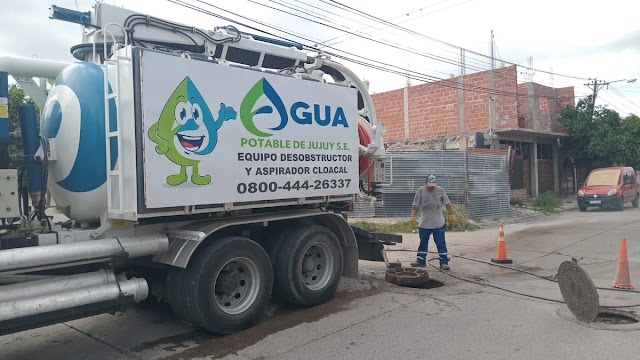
<point x="88" y="172"/>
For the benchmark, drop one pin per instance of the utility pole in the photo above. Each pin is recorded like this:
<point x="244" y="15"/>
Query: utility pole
<point x="596" y="85"/>
<point x="492" y="99"/>
<point x="408" y="78"/>
<point x="493" y="59"/>
<point x="461" y="125"/>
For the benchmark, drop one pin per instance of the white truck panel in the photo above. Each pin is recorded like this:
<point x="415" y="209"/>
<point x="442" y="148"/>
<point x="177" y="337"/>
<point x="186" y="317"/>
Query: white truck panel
<point x="250" y="135"/>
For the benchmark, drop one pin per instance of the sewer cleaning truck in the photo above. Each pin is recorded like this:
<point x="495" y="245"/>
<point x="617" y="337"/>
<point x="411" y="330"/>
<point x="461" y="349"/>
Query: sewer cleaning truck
<point x="209" y="169"/>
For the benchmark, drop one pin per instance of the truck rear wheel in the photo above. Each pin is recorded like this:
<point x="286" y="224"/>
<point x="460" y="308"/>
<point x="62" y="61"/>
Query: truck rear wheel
<point x="308" y="266"/>
<point x="226" y="286"/>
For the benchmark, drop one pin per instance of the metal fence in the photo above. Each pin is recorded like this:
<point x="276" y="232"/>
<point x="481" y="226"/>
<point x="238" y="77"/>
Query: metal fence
<point x="479" y="181"/>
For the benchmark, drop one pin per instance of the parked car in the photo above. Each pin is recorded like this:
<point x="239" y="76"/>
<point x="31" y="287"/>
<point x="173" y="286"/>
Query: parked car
<point x="610" y="187"/>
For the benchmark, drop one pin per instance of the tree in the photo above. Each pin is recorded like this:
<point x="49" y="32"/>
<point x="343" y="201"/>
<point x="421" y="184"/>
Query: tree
<point x="17" y="97"/>
<point x="631" y="130"/>
<point x="603" y="140"/>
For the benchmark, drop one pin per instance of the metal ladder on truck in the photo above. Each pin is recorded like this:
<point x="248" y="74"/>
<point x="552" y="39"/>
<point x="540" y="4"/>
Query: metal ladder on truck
<point x="114" y="68"/>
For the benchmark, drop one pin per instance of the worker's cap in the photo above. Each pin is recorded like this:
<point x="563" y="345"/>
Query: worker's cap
<point x="431" y="180"/>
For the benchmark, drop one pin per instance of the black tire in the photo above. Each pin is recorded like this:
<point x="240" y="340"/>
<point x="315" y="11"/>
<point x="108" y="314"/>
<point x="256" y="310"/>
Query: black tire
<point x="198" y="299"/>
<point x="322" y="246"/>
<point x="582" y="208"/>
<point x="636" y="202"/>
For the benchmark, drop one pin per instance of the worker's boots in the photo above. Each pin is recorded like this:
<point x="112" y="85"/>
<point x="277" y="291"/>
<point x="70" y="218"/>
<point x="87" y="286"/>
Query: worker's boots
<point x="442" y="266"/>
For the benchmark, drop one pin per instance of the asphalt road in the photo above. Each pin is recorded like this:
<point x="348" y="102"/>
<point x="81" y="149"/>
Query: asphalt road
<point x="371" y="319"/>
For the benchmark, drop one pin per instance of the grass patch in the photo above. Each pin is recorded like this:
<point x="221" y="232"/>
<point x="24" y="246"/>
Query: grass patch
<point x="404" y="226"/>
<point x="548" y="202"/>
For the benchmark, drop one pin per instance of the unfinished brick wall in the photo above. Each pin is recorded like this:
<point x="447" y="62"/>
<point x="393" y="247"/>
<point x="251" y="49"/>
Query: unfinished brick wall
<point x="505" y="81"/>
<point x="433" y="107"/>
<point x="566" y="97"/>
<point x="547" y="103"/>
<point x="476" y="102"/>
<point x="390" y="111"/>
<point x="434" y="111"/>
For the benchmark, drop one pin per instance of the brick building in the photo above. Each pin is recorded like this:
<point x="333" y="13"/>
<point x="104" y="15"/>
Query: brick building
<point x="462" y="112"/>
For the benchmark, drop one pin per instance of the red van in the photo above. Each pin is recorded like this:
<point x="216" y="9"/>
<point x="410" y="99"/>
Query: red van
<point x="609" y="187"/>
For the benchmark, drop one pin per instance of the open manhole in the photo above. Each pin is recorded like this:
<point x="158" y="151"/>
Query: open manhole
<point x="411" y="277"/>
<point x="583" y="304"/>
<point x="615" y="317"/>
<point x="431" y="284"/>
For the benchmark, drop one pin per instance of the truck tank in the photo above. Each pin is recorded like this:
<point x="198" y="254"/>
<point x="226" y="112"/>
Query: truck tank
<point x="73" y="122"/>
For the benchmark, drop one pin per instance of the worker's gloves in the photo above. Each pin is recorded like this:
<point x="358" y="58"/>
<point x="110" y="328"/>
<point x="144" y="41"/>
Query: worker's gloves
<point x="414" y="223"/>
<point x="453" y="220"/>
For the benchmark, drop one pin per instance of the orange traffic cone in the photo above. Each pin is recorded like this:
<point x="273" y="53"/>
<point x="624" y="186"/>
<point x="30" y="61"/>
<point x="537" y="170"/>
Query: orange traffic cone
<point x="622" y="280"/>
<point x="501" y="251"/>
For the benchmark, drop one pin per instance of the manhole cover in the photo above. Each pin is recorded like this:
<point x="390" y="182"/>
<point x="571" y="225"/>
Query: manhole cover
<point x="407" y="276"/>
<point x="616" y="317"/>
<point x="578" y="291"/>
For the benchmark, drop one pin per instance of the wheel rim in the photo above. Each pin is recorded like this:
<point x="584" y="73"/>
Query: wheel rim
<point x="236" y="285"/>
<point x="317" y="266"/>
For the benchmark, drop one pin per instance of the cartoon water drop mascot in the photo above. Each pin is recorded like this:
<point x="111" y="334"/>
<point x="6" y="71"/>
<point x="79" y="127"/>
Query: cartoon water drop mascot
<point x="187" y="130"/>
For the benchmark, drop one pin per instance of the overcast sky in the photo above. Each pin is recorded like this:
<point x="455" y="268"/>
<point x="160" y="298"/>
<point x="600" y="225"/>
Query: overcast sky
<point x="590" y="39"/>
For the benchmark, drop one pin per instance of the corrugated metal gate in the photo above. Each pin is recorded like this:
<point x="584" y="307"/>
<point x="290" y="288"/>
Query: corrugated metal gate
<point x="479" y="181"/>
<point x="488" y="189"/>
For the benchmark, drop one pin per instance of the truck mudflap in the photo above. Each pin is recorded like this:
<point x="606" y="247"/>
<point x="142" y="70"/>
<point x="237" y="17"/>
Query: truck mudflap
<point x="371" y="244"/>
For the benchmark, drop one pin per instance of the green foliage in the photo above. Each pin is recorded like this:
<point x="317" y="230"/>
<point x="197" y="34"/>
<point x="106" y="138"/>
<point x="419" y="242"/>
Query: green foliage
<point x="463" y="223"/>
<point x="547" y="202"/>
<point x="17" y="97"/>
<point x="516" y="202"/>
<point x="602" y="141"/>
<point x="404" y="226"/>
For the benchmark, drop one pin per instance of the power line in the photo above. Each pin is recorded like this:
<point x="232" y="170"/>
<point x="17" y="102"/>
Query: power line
<point x="390" y="44"/>
<point x="400" y="71"/>
<point x="329" y="41"/>
<point x="477" y="62"/>
<point x="406" y="20"/>
<point x="364" y="14"/>
<point x="617" y="92"/>
<point x="609" y="103"/>
<point x="359" y="34"/>
<point x="309" y="12"/>
<point x="450" y="61"/>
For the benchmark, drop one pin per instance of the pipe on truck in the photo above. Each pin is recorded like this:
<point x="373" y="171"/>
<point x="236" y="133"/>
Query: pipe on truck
<point x="55" y="285"/>
<point x="52" y="256"/>
<point x="26" y="306"/>
<point x="29" y="67"/>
